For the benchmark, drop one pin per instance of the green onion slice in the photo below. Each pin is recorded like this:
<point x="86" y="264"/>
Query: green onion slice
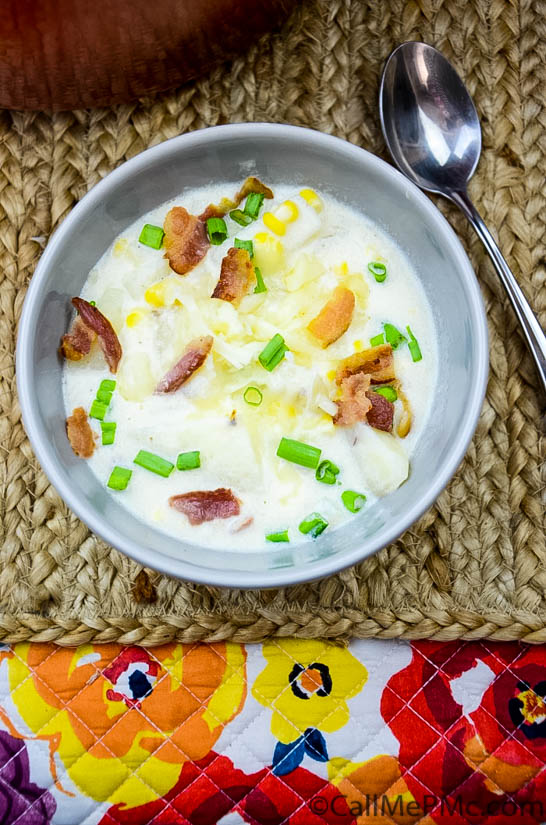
<point x="239" y="217"/>
<point x="282" y="535"/>
<point x="217" y="231"/>
<point x="189" y="461"/>
<point x="387" y="392"/>
<point x="153" y="463"/>
<point x="273" y="353"/>
<point x="253" y="204"/>
<point x="108" y="429"/>
<point x="253" y="396"/>
<point x="394" y="336"/>
<point x="108" y="384"/>
<point x="378" y="270"/>
<point x="248" y="245"/>
<point x="104" y="395"/>
<point x="260" y="285"/>
<point x="98" y="410"/>
<point x="313" y="525"/>
<point x="327" y="472"/>
<point x="299" y="453"/>
<point x="151" y="236"/>
<point x="377" y="340"/>
<point x="119" y="478"/>
<point x="413" y="346"/>
<point x="93" y="303"/>
<point x="353" y="501"/>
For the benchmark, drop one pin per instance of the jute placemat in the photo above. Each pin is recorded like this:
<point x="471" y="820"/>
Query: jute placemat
<point x="475" y="564"/>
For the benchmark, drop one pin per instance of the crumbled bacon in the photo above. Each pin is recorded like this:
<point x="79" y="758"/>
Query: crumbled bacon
<point x="376" y="362"/>
<point x="77" y="341"/>
<point x="206" y="505"/>
<point x="381" y="414"/>
<point x="194" y="356"/>
<point x="101" y="326"/>
<point x="335" y="316"/>
<point x="236" y="276"/>
<point x="80" y="434"/>
<point x="186" y="241"/>
<point x="226" y="204"/>
<point x="355" y="402"/>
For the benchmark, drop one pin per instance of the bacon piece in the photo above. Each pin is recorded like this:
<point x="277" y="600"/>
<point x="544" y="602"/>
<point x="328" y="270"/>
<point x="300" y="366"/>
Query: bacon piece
<point x="99" y="324"/>
<point x="334" y="318"/>
<point x="377" y="362"/>
<point x="77" y="341"/>
<point x="381" y="414"/>
<point x="225" y="205"/>
<point x="236" y="276"/>
<point x="207" y="505"/>
<point x="186" y="241"/>
<point x="355" y="402"/>
<point x="194" y="356"/>
<point x="80" y="434"/>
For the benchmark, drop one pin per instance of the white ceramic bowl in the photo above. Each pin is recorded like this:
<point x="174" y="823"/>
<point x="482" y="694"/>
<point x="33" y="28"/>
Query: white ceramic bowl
<point x="276" y="153"/>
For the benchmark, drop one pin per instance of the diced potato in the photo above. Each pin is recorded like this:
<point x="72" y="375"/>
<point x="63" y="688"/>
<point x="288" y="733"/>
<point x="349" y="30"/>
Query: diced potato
<point x="382" y="458"/>
<point x="307" y="268"/>
<point x="111" y="305"/>
<point x="221" y="318"/>
<point x="268" y="254"/>
<point x="134" y="379"/>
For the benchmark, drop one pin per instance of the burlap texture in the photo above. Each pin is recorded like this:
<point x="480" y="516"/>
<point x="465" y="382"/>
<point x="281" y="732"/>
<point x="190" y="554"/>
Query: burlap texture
<point x="474" y="565"/>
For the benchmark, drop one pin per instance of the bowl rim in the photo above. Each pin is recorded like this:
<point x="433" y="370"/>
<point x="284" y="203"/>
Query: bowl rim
<point x="180" y="568"/>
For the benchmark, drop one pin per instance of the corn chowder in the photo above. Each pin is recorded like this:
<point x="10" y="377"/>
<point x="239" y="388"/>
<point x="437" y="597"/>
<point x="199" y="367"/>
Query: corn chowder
<point x="252" y="371"/>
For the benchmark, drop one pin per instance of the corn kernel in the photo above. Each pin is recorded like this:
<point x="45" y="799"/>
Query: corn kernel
<point x="342" y="269"/>
<point x="291" y="411"/>
<point x="135" y="317"/>
<point x="273" y="223"/>
<point x="287" y="212"/>
<point x="330" y="375"/>
<point x="120" y="246"/>
<point x="311" y="197"/>
<point x="357" y="345"/>
<point x="155" y="294"/>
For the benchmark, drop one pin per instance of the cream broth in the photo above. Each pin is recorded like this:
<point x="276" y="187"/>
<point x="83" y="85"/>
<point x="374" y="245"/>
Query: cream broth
<point x="156" y="312"/>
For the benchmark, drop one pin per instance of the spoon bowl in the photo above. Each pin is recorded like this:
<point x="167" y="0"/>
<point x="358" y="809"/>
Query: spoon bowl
<point x="431" y="128"/>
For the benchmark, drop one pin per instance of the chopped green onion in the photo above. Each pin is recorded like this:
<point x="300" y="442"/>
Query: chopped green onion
<point x="105" y="396"/>
<point x="353" y="501"/>
<point x="107" y="384"/>
<point x="239" y="217"/>
<point x="254" y="204"/>
<point x="413" y="346"/>
<point x="378" y="270"/>
<point x="189" y="461"/>
<point x="282" y="535"/>
<point x="394" y="336"/>
<point x="98" y="410"/>
<point x="248" y="245"/>
<point x="93" y="303"/>
<point x="273" y="353"/>
<point x="119" y="478"/>
<point x="387" y="392"/>
<point x="299" y="453"/>
<point x="377" y="340"/>
<point x="151" y="236"/>
<point x="217" y="231"/>
<point x="260" y="285"/>
<point x="253" y="396"/>
<point x="108" y="429"/>
<point x="327" y="472"/>
<point x="153" y="463"/>
<point x="313" y="525"/>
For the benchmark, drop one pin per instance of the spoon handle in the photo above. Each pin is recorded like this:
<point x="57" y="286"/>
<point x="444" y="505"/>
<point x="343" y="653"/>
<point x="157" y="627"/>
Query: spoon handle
<point x="534" y="335"/>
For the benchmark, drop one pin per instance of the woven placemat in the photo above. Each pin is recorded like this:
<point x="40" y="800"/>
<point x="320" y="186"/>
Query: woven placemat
<point x="475" y="564"/>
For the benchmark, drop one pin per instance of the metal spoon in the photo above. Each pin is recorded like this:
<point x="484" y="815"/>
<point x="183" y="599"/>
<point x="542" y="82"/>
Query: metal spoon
<point x="432" y="130"/>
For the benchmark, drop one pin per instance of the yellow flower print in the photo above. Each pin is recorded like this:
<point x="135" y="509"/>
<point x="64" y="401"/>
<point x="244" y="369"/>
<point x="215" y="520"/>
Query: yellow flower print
<point x="306" y="684"/>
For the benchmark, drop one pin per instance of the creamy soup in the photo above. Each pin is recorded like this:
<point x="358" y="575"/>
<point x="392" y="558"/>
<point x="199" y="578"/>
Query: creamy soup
<point x="319" y="334"/>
